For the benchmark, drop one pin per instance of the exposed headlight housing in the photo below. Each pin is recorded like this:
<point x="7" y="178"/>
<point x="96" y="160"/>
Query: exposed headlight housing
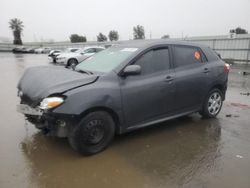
<point x="51" y="102"/>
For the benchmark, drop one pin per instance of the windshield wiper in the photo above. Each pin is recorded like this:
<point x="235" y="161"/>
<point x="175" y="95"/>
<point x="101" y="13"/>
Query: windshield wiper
<point x="84" y="71"/>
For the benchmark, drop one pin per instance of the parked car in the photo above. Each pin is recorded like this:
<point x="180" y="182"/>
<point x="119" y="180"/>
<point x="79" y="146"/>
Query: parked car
<point x="20" y="49"/>
<point x="54" y="53"/>
<point x="23" y="50"/>
<point x="42" y="50"/>
<point x="123" y="88"/>
<point x="29" y="50"/>
<point x="70" y="60"/>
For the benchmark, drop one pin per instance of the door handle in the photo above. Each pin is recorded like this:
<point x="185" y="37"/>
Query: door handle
<point x="169" y="78"/>
<point x="206" y="70"/>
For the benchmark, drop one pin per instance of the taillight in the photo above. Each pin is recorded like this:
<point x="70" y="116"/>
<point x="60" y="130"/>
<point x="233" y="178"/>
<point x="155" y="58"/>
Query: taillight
<point x="226" y="68"/>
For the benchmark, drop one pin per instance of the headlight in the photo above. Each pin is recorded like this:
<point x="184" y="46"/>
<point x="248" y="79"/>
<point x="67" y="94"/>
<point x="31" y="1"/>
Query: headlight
<point x="51" y="102"/>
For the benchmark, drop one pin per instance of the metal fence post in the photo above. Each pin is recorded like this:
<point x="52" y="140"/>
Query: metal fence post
<point x="248" y="52"/>
<point x="214" y="44"/>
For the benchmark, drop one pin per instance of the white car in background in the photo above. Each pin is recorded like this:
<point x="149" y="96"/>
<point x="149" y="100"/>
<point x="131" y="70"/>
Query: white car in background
<point x="70" y="60"/>
<point x="54" y="53"/>
<point x="43" y="50"/>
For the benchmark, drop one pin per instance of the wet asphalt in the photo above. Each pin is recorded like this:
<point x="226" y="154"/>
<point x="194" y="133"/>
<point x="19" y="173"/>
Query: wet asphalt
<point x="185" y="152"/>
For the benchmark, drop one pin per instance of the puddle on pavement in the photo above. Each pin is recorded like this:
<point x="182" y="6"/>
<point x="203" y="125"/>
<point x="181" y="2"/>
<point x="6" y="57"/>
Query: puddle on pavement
<point x="150" y="157"/>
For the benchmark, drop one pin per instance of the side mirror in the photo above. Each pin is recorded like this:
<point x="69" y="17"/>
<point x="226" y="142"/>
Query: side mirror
<point x="132" y="70"/>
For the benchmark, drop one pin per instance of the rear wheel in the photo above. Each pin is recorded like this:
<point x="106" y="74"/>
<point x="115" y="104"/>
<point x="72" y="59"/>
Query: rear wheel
<point x="93" y="134"/>
<point x="212" y="104"/>
<point x="72" y="64"/>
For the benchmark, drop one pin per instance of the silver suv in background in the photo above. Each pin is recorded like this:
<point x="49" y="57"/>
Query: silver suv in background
<point x="70" y="60"/>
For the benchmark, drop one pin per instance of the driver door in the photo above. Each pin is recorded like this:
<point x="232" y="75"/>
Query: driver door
<point x="149" y="95"/>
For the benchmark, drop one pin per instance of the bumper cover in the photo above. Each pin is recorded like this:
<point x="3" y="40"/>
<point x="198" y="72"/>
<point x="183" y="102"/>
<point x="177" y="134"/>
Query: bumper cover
<point x="53" y="124"/>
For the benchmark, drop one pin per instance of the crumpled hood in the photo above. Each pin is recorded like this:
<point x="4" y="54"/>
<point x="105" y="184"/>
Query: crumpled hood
<point x="42" y="81"/>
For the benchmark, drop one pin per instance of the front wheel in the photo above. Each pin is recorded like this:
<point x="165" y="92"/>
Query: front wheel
<point x="93" y="134"/>
<point x="72" y="64"/>
<point x="212" y="104"/>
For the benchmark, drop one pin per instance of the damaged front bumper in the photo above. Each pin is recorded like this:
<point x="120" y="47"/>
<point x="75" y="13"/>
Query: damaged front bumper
<point x="52" y="124"/>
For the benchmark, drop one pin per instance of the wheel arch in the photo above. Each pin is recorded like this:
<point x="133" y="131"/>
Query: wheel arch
<point x="221" y="87"/>
<point x="111" y="112"/>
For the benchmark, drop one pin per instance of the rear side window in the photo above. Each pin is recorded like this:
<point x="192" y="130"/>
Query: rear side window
<point x="154" y="61"/>
<point x="185" y="55"/>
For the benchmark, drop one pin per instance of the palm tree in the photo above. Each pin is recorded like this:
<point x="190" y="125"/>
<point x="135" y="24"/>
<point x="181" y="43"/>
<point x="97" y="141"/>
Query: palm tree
<point x="16" y="26"/>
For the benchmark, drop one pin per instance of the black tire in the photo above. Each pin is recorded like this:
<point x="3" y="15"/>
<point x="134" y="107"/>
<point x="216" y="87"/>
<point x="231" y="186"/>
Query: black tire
<point x="211" y="108"/>
<point x="72" y="64"/>
<point x="93" y="134"/>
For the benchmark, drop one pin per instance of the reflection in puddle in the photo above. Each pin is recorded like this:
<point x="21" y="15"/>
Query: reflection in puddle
<point x="172" y="153"/>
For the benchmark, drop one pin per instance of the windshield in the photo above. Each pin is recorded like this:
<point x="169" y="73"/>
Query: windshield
<point x="106" y="60"/>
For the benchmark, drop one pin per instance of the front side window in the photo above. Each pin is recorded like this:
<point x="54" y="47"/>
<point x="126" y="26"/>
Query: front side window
<point x="185" y="55"/>
<point x="154" y="61"/>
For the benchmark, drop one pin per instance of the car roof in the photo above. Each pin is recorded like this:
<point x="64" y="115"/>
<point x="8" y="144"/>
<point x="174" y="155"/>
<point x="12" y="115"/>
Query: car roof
<point x="148" y="43"/>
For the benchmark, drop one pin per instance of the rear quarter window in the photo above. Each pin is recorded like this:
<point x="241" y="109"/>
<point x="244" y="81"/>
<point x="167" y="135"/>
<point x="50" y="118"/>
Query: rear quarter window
<point x="211" y="54"/>
<point x="186" y="55"/>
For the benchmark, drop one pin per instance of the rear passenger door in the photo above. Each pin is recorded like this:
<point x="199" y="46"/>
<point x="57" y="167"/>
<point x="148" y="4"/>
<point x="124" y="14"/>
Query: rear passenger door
<point x="192" y="77"/>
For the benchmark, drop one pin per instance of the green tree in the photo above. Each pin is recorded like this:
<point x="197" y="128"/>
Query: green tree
<point x="165" y="37"/>
<point x="139" y="32"/>
<point x="239" y="30"/>
<point x="77" y="38"/>
<point x="16" y="26"/>
<point x="101" y="38"/>
<point x="113" y="35"/>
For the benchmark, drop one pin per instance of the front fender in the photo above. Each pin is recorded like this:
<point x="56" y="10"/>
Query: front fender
<point x="104" y="94"/>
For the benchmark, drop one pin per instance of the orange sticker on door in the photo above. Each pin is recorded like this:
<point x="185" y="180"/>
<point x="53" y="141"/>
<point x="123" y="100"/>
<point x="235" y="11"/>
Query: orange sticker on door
<point x="197" y="55"/>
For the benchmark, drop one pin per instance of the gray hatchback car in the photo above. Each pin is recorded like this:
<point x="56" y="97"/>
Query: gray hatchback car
<point x="123" y="88"/>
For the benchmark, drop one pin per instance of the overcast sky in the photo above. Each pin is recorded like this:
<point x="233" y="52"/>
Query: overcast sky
<point x="57" y="19"/>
